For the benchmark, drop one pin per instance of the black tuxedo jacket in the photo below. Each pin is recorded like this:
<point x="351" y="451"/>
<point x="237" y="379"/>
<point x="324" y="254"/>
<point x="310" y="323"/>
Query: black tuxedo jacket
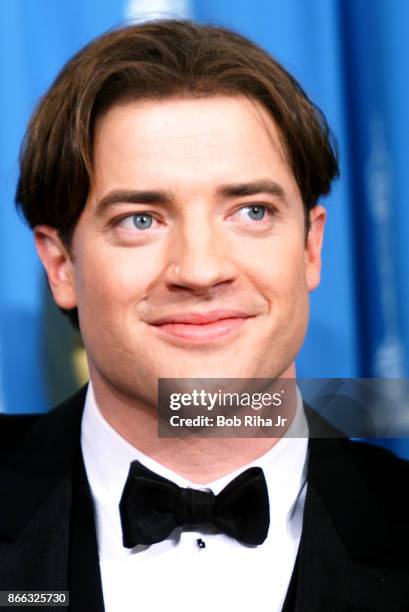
<point x="354" y="548"/>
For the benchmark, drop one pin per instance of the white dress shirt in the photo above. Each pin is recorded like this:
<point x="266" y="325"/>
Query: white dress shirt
<point x="175" y="574"/>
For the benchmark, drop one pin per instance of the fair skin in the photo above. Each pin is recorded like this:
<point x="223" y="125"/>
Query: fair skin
<point x="203" y="250"/>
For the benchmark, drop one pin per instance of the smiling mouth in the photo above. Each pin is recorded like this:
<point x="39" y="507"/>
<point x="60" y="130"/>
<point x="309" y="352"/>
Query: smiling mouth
<point x="202" y="332"/>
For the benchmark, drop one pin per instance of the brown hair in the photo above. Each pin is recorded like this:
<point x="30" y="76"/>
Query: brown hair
<point x="156" y="60"/>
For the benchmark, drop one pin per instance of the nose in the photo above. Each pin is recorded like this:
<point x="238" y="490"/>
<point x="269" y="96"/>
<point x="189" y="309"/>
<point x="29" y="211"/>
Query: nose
<point x="200" y="257"/>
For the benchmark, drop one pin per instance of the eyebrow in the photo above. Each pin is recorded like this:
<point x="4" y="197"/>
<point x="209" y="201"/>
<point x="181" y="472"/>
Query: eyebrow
<point x="236" y="190"/>
<point x="153" y="196"/>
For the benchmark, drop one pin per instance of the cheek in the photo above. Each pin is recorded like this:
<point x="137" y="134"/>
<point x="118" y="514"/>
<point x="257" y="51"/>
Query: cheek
<point x="278" y="267"/>
<point x="110" y="282"/>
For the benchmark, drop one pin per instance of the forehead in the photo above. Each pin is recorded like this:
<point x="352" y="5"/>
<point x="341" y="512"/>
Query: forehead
<point x="189" y="140"/>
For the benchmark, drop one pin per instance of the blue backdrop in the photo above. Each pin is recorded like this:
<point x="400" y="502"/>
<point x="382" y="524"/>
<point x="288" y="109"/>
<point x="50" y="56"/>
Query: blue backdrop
<point x="351" y="56"/>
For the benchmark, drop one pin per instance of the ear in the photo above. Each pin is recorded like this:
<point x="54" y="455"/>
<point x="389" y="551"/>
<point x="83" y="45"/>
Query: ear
<point x="318" y="216"/>
<point x="58" y="265"/>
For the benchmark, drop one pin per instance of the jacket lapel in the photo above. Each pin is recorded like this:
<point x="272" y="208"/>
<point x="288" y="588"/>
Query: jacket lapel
<point x="349" y="555"/>
<point x="35" y="513"/>
<point x="84" y="577"/>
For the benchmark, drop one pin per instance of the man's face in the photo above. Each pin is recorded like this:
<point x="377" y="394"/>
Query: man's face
<point x="194" y="209"/>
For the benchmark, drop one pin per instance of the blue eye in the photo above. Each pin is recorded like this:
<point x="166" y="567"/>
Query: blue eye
<point x="142" y="221"/>
<point x="256" y="211"/>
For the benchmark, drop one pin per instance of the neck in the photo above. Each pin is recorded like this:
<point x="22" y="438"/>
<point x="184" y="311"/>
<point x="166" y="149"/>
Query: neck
<point x="199" y="459"/>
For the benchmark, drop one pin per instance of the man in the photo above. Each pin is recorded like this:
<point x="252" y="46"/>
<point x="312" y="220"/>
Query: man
<point x="172" y="176"/>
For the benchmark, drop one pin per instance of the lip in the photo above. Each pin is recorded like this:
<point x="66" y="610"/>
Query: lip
<point x="197" y="318"/>
<point x="202" y="327"/>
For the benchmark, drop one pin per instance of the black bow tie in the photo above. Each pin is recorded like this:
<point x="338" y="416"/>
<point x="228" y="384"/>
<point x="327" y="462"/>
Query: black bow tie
<point x="151" y="507"/>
